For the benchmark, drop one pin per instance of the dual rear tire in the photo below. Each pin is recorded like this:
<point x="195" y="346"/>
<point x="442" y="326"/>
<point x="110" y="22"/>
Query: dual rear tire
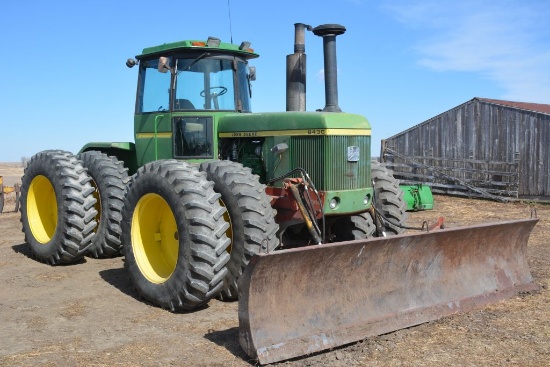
<point x="72" y="205"/>
<point x="175" y="224"/>
<point x="109" y="180"/>
<point x="57" y="207"/>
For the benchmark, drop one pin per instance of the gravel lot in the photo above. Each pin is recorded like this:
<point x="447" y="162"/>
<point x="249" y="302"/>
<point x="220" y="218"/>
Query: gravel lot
<point x="88" y="314"/>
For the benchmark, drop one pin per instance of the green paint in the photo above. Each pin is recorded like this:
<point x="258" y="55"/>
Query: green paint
<point x="272" y="121"/>
<point x="349" y="201"/>
<point x="319" y="142"/>
<point x="157" y="118"/>
<point x="418" y="197"/>
<point x="187" y="46"/>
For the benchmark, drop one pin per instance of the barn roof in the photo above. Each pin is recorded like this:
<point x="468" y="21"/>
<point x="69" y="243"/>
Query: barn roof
<point x="525" y="106"/>
<point x="536" y="107"/>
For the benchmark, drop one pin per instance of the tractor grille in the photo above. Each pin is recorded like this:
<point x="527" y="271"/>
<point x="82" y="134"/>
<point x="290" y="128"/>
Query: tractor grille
<point x="325" y="159"/>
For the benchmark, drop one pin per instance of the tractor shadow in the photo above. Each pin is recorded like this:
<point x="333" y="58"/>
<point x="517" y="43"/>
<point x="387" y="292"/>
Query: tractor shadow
<point x="25" y="250"/>
<point x="229" y="339"/>
<point x="118" y="278"/>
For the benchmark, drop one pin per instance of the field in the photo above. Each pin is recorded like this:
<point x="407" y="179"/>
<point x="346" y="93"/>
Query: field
<point x="88" y="314"/>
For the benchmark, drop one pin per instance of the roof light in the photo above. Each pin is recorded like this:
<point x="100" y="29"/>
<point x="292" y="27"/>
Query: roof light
<point x="198" y="43"/>
<point x="245" y="46"/>
<point x="213" y="42"/>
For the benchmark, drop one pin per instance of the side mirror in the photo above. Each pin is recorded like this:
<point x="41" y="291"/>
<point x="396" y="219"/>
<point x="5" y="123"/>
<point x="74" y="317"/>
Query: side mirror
<point x="131" y="63"/>
<point x="164" y="64"/>
<point x="252" y="73"/>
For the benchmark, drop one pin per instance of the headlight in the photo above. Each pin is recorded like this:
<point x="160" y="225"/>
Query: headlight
<point x="333" y="203"/>
<point x="366" y="200"/>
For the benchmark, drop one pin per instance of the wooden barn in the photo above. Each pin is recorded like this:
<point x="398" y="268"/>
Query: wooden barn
<point x="484" y="147"/>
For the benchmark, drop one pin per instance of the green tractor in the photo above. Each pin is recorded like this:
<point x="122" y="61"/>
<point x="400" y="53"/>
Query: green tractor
<point x="283" y="211"/>
<point x="207" y="184"/>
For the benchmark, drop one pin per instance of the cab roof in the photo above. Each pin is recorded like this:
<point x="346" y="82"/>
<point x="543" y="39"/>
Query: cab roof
<point x="200" y="45"/>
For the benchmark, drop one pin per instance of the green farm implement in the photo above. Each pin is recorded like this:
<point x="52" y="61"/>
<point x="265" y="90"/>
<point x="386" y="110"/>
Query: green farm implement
<point x="418" y="197"/>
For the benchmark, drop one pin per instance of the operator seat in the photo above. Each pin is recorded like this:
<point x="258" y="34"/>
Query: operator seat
<point x="183" y="104"/>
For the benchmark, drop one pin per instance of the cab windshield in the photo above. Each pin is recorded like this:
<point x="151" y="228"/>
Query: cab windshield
<point x="198" y="82"/>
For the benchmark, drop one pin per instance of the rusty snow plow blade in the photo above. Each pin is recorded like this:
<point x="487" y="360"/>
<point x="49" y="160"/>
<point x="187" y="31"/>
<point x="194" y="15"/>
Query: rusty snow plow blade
<point x="300" y="301"/>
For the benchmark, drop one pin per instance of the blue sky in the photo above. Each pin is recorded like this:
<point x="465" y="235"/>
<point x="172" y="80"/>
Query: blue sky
<point x="63" y="79"/>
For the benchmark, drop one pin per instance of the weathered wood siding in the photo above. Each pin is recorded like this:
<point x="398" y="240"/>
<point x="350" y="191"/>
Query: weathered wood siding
<point x="504" y="150"/>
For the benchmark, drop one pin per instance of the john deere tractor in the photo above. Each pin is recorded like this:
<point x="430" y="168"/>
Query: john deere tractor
<point x="207" y="184"/>
<point x="280" y="210"/>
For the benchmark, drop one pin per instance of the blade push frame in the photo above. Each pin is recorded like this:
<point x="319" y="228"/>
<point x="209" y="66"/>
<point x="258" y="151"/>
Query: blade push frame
<point x="301" y="301"/>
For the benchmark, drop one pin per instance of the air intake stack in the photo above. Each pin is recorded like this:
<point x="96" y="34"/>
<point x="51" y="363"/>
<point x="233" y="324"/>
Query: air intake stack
<point x="329" y="33"/>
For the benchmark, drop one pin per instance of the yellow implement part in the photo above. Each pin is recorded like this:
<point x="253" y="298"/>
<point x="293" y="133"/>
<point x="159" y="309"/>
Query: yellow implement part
<point x="301" y="301"/>
<point x="8" y="189"/>
<point x="4" y="190"/>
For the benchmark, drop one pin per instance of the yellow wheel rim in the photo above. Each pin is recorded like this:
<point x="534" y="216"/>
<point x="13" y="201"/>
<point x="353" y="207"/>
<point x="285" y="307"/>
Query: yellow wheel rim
<point x="155" y="239"/>
<point x="42" y="209"/>
<point x="229" y="232"/>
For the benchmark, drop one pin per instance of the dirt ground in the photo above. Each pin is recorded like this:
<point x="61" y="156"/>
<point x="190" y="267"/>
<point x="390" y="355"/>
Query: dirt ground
<point x="88" y="314"/>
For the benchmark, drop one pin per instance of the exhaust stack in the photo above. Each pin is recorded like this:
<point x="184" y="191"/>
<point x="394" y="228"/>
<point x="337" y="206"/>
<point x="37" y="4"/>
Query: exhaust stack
<point x="329" y="33"/>
<point x="296" y="71"/>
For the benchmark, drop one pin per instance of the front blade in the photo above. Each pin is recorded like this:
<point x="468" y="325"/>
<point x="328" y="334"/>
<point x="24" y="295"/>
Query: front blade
<point x="301" y="301"/>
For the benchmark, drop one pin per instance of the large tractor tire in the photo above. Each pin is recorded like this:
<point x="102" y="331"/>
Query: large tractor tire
<point x="57" y="207"/>
<point x="109" y="179"/>
<point x="174" y="235"/>
<point x="389" y="203"/>
<point x="355" y="227"/>
<point x="252" y="219"/>
<point x="388" y="199"/>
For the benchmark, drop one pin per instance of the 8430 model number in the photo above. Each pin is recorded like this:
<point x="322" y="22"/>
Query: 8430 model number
<point x="317" y="132"/>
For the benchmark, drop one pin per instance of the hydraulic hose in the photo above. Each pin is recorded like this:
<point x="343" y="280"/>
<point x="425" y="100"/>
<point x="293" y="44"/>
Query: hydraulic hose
<point x="312" y="230"/>
<point x="308" y="180"/>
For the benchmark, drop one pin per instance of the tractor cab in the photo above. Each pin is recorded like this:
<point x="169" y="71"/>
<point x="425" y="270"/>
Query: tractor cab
<point x="194" y="75"/>
<point x="182" y="86"/>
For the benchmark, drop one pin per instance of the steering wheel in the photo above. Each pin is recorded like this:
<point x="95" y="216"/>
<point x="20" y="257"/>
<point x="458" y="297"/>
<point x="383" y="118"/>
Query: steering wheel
<point x="223" y="90"/>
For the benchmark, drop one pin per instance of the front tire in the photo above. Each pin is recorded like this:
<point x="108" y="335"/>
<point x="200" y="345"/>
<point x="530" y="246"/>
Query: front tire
<point x="253" y="228"/>
<point x="57" y="207"/>
<point x="173" y="233"/>
<point x="355" y="227"/>
<point x="388" y="199"/>
<point x="109" y="179"/>
<point x="388" y="202"/>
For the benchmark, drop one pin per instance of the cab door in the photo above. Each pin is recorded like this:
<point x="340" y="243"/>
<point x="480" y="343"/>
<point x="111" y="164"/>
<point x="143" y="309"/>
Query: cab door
<point x="152" y="121"/>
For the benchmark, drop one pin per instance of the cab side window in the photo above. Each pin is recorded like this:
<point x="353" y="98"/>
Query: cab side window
<point x="154" y="88"/>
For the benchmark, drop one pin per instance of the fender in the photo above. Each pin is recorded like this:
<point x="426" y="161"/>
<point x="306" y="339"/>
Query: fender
<point x="124" y="151"/>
